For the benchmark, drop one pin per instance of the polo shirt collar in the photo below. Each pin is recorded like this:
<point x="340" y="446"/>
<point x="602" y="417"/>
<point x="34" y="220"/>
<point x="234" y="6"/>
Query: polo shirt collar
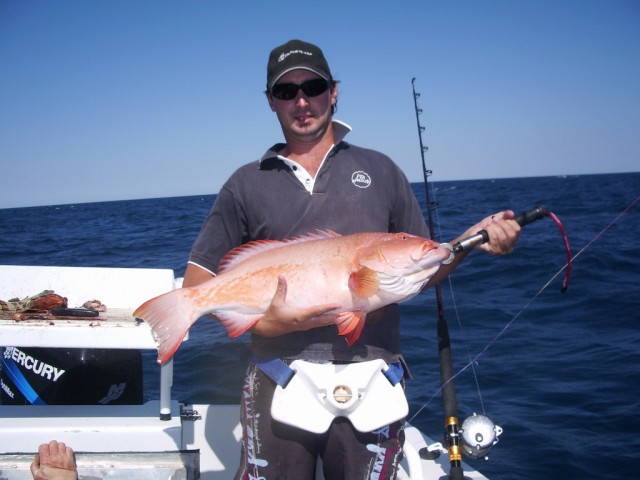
<point x="340" y="130"/>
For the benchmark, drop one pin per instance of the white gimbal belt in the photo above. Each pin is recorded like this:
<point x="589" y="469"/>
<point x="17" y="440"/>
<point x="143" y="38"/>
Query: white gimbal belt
<point x="310" y="395"/>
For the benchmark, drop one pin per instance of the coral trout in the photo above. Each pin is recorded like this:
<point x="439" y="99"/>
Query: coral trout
<point x="360" y="272"/>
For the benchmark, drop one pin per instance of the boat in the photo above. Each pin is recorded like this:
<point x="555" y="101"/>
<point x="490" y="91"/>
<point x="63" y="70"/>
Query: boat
<point x="158" y="439"/>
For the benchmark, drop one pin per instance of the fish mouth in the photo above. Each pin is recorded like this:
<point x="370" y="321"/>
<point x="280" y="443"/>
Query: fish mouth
<point x="434" y="253"/>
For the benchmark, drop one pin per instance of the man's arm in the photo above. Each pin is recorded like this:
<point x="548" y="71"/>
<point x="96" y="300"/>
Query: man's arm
<point x="195" y="275"/>
<point x="503" y="234"/>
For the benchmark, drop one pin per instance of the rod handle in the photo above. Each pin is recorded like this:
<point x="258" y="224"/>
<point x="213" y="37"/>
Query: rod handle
<point x="524" y="218"/>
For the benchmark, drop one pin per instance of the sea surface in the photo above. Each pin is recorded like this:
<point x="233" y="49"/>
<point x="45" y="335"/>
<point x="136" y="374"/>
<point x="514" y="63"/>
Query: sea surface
<point x="559" y="372"/>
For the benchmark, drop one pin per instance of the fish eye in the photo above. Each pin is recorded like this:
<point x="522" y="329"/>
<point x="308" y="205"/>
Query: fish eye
<point x="402" y="236"/>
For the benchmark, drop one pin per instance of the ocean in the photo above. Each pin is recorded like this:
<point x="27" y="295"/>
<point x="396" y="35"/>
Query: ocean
<point x="558" y="372"/>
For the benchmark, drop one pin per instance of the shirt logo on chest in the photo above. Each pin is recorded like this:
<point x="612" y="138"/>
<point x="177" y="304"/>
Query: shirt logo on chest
<point x="361" y="179"/>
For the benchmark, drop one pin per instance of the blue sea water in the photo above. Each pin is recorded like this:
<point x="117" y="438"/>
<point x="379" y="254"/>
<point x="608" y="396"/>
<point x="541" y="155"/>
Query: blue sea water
<point x="560" y="373"/>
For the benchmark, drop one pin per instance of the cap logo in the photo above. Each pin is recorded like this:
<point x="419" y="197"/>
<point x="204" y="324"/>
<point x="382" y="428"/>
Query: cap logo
<point x="361" y="179"/>
<point x="283" y="56"/>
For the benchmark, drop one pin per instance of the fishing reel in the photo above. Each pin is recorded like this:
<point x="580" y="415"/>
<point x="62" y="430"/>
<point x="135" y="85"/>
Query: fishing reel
<point x="478" y="434"/>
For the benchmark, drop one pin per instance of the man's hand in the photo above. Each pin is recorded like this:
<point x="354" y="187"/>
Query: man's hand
<point x="503" y="233"/>
<point x="281" y="318"/>
<point x="54" y="461"/>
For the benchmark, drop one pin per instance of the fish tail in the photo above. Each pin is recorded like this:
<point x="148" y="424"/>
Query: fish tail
<point x="170" y="316"/>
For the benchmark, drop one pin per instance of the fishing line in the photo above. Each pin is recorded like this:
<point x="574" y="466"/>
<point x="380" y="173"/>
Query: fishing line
<point x="624" y="212"/>
<point x="501" y="333"/>
<point x="473" y="369"/>
<point x="456" y="311"/>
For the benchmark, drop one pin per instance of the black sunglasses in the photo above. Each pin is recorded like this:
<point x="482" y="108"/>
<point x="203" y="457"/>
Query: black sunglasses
<point x="311" y="88"/>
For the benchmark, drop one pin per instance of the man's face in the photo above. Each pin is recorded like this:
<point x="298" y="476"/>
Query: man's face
<point x="303" y="118"/>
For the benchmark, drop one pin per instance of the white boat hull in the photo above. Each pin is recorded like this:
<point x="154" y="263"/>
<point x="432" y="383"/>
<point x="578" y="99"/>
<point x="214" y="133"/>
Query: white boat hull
<point x="160" y="439"/>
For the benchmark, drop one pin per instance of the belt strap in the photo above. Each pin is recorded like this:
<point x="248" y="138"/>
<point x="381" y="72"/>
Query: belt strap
<point x="275" y="369"/>
<point x="394" y="373"/>
<point x="281" y="373"/>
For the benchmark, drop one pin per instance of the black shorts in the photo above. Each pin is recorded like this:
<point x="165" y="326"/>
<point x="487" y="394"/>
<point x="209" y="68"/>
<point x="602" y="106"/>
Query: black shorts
<point x="274" y="451"/>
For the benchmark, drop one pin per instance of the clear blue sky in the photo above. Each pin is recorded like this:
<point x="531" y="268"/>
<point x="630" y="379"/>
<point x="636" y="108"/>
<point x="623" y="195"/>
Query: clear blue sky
<point x="121" y="99"/>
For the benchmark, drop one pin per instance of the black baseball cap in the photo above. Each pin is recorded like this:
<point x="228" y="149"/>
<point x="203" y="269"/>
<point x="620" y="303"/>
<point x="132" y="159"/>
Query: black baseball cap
<point x="294" y="55"/>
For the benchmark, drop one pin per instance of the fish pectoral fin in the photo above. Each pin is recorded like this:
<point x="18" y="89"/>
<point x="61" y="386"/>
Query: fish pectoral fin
<point x="348" y="322"/>
<point x="364" y="283"/>
<point x="237" y="323"/>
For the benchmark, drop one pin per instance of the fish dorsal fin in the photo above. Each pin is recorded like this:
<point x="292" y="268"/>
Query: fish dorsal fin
<point x="364" y="283"/>
<point x="245" y="251"/>
<point x="249" y="249"/>
<point x="317" y="235"/>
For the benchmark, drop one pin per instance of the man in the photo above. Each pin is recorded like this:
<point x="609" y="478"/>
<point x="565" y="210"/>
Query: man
<point x="315" y="180"/>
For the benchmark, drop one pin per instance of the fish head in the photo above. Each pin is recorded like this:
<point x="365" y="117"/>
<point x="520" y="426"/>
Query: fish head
<point x="398" y="253"/>
<point x="403" y="262"/>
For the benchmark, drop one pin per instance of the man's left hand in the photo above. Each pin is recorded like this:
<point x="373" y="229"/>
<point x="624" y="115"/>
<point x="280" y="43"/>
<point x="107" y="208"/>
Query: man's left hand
<point x="503" y="232"/>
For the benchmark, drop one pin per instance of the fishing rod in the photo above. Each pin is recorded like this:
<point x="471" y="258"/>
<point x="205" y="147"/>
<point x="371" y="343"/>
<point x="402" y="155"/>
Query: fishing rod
<point x="524" y="218"/>
<point x="478" y="433"/>
<point x="452" y="429"/>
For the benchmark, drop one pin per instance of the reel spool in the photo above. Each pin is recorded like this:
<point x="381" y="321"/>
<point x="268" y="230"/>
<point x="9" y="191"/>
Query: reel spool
<point x="478" y="434"/>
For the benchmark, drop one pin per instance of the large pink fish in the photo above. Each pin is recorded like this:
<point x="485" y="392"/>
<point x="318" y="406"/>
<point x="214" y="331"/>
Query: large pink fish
<point x="360" y="272"/>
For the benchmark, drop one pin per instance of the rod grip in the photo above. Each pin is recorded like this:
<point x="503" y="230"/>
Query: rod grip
<point x="525" y="218"/>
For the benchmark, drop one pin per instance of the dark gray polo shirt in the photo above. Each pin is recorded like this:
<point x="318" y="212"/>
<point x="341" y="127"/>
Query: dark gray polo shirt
<point x="355" y="190"/>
